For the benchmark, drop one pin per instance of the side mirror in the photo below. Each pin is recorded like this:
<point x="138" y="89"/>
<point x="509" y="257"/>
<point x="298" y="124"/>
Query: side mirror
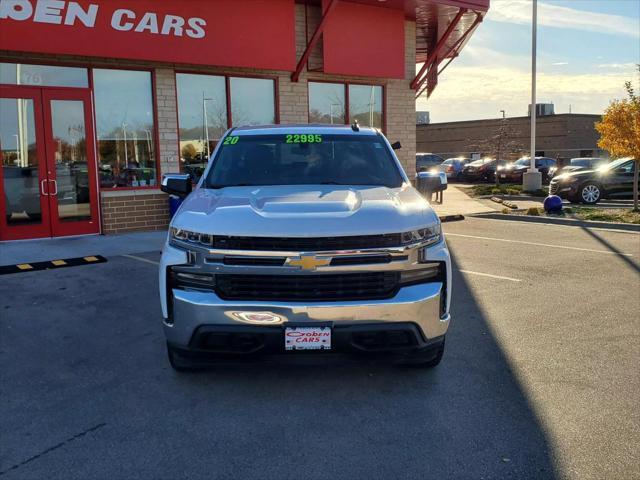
<point x="396" y="145"/>
<point x="176" y="184"/>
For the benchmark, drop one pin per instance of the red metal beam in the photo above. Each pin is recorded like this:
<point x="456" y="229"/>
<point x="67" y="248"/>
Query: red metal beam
<point x="454" y="48"/>
<point x="421" y="91"/>
<point x="417" y="81"/>
<point x="314" y="40"/>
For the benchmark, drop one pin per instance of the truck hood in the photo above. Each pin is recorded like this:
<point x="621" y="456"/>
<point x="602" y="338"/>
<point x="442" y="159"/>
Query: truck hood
<point x="304" y="211"/>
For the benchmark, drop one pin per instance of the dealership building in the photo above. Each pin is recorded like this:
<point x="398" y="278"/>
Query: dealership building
<point x="560" y="136"/>
<point x="99" y="99"/>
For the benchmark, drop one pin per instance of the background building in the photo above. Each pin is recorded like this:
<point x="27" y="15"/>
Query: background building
<point x="562" y="136"/>
<point x="98" y="100"/>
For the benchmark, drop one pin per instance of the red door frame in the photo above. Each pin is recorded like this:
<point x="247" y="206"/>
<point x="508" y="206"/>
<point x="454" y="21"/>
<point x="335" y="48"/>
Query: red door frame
<point x="51" y="224"/>
<point x="58" y="227"/>
<point x="43" y="229"/>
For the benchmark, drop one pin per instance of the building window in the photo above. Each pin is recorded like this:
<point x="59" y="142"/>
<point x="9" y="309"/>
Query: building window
<point x="252" y="101"/>
<point x="327" y="103"/>
<point x="365" y="105"/>
<point x="202" y="117"/>
<point x="43" y="75"/>
<point x="125" y="128"/>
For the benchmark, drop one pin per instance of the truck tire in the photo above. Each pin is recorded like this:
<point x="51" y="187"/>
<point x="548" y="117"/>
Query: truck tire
<point x="425" y="359"/>
<point x="179" y="363"/>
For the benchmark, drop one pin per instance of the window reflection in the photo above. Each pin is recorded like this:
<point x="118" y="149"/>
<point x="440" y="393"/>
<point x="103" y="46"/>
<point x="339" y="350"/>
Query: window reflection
<point x="125" y="128"/>
<point x="19" y="161"/>
<point x="202" y="116"/>
<point x="326" y="103"/>
<point x="252" y="101"/>
<point x="70" y="156"/>
<point x="43" y="75"/>
<point x="365" y="105"/>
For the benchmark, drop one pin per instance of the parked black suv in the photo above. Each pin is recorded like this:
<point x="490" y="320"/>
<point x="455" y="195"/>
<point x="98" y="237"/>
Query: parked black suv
<point x="512" y="173"/>
<point x="590" y="186"/>
<point x="482" y="170"/>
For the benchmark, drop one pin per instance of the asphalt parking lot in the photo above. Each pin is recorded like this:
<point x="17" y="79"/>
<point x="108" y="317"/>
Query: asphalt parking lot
<point x="540" y="378"/>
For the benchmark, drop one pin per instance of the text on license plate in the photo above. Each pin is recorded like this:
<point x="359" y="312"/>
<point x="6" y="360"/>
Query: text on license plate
<point x="307" y="338"/>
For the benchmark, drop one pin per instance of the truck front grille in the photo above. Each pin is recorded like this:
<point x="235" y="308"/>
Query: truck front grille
<point x="553" y="188"/>
<point x="328" y="287"/>
<point x="307" y="244"/>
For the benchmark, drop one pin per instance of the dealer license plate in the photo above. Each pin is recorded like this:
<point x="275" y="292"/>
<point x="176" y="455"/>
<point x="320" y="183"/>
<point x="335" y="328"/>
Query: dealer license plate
<point x="307" y="338"/>
<point x="503" y="176"/>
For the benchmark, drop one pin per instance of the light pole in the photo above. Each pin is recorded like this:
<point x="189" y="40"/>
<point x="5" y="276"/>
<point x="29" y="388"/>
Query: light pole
<point x="126" y="155"/>
<point x="205" y="122"/>
<point x="532" y="179"/>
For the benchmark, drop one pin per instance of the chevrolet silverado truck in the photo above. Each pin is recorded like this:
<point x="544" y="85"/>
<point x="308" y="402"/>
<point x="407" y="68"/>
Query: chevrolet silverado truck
<point x="299" y="240"/>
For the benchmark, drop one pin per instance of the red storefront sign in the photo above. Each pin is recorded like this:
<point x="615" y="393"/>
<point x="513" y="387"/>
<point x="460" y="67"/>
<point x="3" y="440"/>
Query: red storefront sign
<point x="364" y="40"/>
<point x="248" y="33"/>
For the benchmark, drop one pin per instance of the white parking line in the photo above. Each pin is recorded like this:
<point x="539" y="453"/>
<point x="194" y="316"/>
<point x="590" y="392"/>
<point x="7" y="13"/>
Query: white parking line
<point x="490" y="276"/>
<point x="539" y="244"/>
<point x="146" y="260"/>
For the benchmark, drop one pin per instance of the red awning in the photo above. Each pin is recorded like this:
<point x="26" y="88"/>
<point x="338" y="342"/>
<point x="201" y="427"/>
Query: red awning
<point x="443" y="27"/>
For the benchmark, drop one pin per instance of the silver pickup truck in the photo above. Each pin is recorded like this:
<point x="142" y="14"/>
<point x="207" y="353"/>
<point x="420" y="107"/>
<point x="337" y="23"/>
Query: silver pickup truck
<point x="299" y="240"/>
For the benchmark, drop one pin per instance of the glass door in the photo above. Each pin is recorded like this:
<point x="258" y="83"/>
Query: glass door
<point x="24" y="205"/>
<point x="48" y="174"/>
<point x="71" y="162"/>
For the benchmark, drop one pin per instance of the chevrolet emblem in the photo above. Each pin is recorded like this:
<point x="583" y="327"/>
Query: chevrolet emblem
<point x="308" y="262"/>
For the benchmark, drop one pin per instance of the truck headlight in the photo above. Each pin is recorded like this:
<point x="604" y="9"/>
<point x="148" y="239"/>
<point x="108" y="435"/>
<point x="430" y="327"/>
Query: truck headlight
<point x="188" y="236"/>
<point x="427" y="236"/>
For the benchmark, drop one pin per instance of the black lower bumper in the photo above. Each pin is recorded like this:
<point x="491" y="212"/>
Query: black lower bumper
<point x="239" y="341"/>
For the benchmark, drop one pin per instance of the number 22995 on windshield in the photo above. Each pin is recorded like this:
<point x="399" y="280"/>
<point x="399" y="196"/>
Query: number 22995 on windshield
<point x="303" y="138"/>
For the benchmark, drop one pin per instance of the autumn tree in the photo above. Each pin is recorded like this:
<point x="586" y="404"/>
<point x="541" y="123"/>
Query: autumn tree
<point x="620" y="132"/>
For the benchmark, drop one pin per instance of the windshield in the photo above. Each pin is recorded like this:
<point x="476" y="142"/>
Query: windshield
<point x="303" y="159"/>
<point x="613" y="165"/>
<point x="449" y="161"/>
<point x="482" y="161"/>
<point x="522" y="161"/>
<point x="581" y="162"/>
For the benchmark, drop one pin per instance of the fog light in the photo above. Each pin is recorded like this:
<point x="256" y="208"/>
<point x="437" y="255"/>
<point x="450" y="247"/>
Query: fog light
<point x="419" y="275"/>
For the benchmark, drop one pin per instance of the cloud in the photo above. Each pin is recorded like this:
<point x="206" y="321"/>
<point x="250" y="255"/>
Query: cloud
<point x="618" y="66"/>
<point x="469" y="92"/>
<point x="519" y="12"/>
<point x="560" y="64"/>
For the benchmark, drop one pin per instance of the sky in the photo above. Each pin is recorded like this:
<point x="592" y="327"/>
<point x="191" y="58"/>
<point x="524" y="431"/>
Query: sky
<point x="587" y="49"/>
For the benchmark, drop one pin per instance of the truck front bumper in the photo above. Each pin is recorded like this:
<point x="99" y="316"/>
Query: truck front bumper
<point x="415" y="310"/>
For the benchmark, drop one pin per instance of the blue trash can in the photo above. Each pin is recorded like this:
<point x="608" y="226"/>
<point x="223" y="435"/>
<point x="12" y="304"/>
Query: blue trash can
<point x="174" y="204"/>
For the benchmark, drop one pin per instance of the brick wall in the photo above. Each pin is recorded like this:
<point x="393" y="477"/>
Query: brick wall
<point x="132" y="211"/>
<point x="561" y="136"/>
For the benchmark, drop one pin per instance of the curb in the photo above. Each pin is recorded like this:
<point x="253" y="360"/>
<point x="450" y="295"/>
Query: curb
<point x="627" y="227"/>
<point x="451" y="218"/>
<point x="51" y="264"/>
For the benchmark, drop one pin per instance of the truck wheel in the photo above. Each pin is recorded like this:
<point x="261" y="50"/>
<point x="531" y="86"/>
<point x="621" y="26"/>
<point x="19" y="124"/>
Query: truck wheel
<point x="426" y="359"/>
<point x="178" y="363"/>
<point x="590" y="193"/>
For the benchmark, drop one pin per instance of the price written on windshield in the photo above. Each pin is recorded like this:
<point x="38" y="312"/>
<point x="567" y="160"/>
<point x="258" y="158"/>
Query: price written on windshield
<point x="303" y="138"/>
